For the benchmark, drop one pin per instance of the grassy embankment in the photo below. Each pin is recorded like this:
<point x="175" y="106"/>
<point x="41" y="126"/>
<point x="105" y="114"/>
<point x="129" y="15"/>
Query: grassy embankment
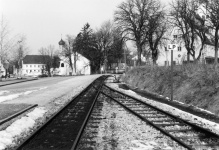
<point x="196" y="85"/>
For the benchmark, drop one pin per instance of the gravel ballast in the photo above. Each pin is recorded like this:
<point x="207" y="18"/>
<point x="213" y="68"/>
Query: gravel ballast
<point x="212" y="126"/>
<point x="123" y="131"/>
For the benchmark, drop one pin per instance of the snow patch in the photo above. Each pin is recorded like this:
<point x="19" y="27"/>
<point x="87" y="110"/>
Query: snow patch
<point x="24" y="124"/>
<point x="13" y="96"/>
<point x="43" y="88"/>
<point x="28" y="92"/>
<point x="214" y="127"/>
<point x="9" y="97"/>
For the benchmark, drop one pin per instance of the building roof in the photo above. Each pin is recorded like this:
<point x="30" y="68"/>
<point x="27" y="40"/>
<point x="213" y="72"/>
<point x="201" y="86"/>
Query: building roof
<point x="35" y="59"/>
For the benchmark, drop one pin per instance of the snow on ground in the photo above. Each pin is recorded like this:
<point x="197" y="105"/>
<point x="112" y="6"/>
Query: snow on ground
<point x="184" y="115"/>
<point x="9" y="97"/>
<point x="14" y="96"/>
<point x="8" y="136"/>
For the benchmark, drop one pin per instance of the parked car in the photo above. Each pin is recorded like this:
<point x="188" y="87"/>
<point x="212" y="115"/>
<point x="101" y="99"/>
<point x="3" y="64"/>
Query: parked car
<point x="19" y="77"/>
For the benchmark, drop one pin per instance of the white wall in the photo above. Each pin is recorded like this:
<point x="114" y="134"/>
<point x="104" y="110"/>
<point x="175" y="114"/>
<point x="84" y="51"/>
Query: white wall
<point x="32" y="69"/>
<point x="82" y="66"/>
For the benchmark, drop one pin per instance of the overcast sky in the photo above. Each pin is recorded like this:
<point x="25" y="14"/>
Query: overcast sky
<point x="43" y="21"/>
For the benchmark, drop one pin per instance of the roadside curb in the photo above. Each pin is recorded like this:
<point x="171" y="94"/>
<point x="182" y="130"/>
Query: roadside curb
<point x="17" y="114"/>
<point x="17" y="82"/>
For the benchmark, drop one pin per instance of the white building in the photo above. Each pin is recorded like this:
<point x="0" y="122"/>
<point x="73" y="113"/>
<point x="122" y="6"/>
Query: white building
<point x="180" y="52"/>
<point x="2" y="69"/>
<point x="82" y="66"/>
<point x="34" y="65"/>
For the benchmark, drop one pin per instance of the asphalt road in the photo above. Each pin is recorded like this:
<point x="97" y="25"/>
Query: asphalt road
<point x="43" y="90"/>
<point x="41" y="82"/>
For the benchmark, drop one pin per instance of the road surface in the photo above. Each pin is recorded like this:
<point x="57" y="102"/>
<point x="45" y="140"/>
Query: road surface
<point x="43" y="90"/>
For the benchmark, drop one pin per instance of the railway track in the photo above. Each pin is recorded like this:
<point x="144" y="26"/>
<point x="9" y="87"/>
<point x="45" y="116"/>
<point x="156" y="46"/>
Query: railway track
<point x="186" y="134"/>
<point x="76" y="125"/>
<point x="64" y="128"/>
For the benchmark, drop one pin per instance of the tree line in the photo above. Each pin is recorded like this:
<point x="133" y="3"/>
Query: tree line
<point x="148" y="24"/>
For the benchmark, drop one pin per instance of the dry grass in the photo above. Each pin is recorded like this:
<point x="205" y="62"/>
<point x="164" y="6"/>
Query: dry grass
<point x="195" y="84"/>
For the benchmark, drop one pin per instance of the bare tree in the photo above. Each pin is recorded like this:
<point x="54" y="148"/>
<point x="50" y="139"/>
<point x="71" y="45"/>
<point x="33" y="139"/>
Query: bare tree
<point x="192" y="25"/>
<point x="18" y="53"/>
<point x="48" y="57"/>
<point x="182" y="17"/>
<point x="212" y="7"/>
<point x="104" y="38"/>
<point x="132" y="17"/>
<point x="5" y="42"/>
<point x="157" y="27"/>
<point x="69" y="51"/>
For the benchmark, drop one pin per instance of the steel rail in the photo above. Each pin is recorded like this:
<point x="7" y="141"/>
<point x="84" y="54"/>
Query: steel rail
<point x="76" y="142"/>
<point x="207" y="131"/>
<point x="149" y="122"/>
<point x="17" y="114"/>
<point x="31" y="136"/>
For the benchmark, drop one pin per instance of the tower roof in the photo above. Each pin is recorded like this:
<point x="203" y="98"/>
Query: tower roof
<point x="61" y="42"/>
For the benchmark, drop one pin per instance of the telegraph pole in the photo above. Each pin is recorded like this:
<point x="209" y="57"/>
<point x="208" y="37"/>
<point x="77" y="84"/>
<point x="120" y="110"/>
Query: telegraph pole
<point x="171" y="97"/>
<point x="172" y="47"/>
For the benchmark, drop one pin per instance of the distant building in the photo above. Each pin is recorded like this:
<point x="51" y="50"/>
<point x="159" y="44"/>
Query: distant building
<point x="33" y="65"/>
<point x="2" y="69"/>
<point x="180" y="53"/>
<point x="82" y="66"/>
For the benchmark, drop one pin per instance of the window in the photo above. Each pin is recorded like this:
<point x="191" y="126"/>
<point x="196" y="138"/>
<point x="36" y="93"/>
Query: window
<point x="165" y="48"/>
<point x="27" y="71"/>
<point x="26" y="65"/>
<point x="38" y="66"/>
<point x="174" y="36"/>
<point x="62" y="64"/>
<point x="34" y="65"/>
<point x="30" y="70"/>
<point x="179" y="48"/>
<point x="30" y="65"/>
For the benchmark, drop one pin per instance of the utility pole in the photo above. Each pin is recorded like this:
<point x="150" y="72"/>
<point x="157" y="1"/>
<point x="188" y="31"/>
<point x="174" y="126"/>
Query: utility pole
<point x="125" y="57"/>
<point x="0" y="69"/>
<point x="172" y="47"/>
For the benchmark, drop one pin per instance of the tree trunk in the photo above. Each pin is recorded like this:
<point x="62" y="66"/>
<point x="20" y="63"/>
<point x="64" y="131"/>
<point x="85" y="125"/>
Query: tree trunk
<point x="75" y="59"/>
<point x="216" y="56"/>
<point x="154" y="56"/>
<point x="216" y="48"/>
<point x="188" y="57"/>
<point x="139" y="49"/>
<point x="49" y="73"/>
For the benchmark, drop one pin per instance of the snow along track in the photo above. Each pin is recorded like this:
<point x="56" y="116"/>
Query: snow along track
<point x="187" y="134"/>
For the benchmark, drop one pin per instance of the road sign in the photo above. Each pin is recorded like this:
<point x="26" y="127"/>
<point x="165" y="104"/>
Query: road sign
<point x="172" y="47"/>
